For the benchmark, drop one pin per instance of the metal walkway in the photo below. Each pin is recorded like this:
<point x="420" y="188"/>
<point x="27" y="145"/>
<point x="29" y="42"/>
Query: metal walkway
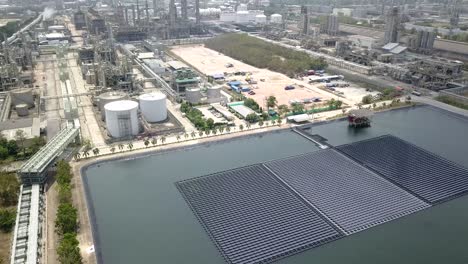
<point x="33" y="171"/>
<point x="25" y="244"/>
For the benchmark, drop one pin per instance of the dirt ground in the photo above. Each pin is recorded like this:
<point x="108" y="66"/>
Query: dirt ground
<point x="5" y="244"/>
<point x="209" y="62"/>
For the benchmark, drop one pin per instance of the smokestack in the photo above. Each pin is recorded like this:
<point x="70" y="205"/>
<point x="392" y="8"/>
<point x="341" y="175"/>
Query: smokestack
<point x="146" y="9"/>
<point x="155" y="7"/>
<point x="138" y="12"/>
<point x="126" y="15"/>
<point x="172" y="12"/>
<point x="133" y="15"/>
<point x="197" y="12"/>
<point x="184" y="10"/>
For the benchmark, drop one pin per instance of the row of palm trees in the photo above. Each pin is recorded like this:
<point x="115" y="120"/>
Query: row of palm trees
<point x="154" y="141"/>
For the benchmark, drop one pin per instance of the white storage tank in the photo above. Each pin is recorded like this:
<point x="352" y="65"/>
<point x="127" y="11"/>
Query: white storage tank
<point x="193" y="95"/>
<point x="242" y="7"/>
<point x="22" y="96"/>
<point x="260" y="19"/>
<point x="228" y="17"/>
<point x="122" y="118"/>
<point x="22" y="109"/>
<point x="153" y="106"/>
<point x="108" y="97"/>
<point x="213" y="92"/>
<point x="242" y="16"/>
<point x="276" y="19"/>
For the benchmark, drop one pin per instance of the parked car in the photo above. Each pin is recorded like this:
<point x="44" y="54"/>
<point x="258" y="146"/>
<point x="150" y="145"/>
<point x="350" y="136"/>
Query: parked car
<point x="251" y="92"/>
<point x="289" y="87"/>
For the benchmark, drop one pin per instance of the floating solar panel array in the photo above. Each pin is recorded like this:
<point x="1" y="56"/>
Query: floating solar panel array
<point x="252" y="217"/>
<point x="427" y="175"/>
<point x="263" y="212"/>
<point x="353" y="197"/>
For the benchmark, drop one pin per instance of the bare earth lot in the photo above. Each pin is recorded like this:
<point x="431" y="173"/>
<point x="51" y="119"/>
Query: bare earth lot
<point x="209" y="62"/>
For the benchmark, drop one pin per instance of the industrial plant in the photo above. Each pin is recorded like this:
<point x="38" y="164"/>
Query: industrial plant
<point x="89" y="81"/>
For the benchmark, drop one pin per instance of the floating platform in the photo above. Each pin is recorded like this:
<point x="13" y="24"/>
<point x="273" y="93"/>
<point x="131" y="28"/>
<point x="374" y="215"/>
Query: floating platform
<point x="353" y="197"/>
<point x="426" y="175"/>
<point x="252" y="217"/>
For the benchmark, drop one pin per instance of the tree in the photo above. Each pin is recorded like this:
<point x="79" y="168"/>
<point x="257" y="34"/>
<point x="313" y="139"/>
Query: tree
<point x="12" y="147"/>
<point x="7" y="219"/>
<point x="87" y="144"/>
<point x="68" y="251"/>
<point x="130" y="145"/>
<point x="207" y="132"/>
<point x="200" y="134"/>
<point x="193" y="134"/>
<point x="251" y="118"/>
<point x="221" y="130"/>
<point x="273" y="122"/>
<point x="64" y="193"/>
<point x="228" y="129"/>
<point x="121" y="146"/>
<point x="331" y="103"/>
<point x="209" y="123"/>
<point x="163" y="139"/>
<point x="36" y="144"/>
<point x="66" y="221"/>
<point x="186" y="135"/>
<point x="3" y="152"/>
<point x="338" y="104"/>
<point x="367" y="99"/>
<point x="374" y="105"/>
<point x="154" y="141"/>
<point x="283" y="109"/>
<point x="260" y="123"/>
<point x="271" y="101"/>
<point x="146" y="142"/>
<point x="85" y="154"/>
<point x="96" y="151"/>
<point x="20" y="137"/>
<point x="265" y="116"/>
<point x="241" y="127"/>
<point x="298" y="108"/>
<point x="214" y="131"/>
<point x="280" y="121"/>
<point x="112" y="149"/>
<point x="63" y="175"/>
<point x="9" y="188"/>
<point x="77" y="156"/>
<point x="250" y="103"/>
<point x="178" y="137"/>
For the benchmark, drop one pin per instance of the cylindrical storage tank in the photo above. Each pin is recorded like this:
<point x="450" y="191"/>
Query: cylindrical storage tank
<point x="153" y="106"/>
<point x="260" y="19"/>
<point x="22" y="109"/>
<point x="122" y="118"/>
<point x="276" y="18"/>
<point x="193" y="95"/>
<point x="22" y="96"/>
<point x="109" y="97"/>
<point x="213" y="92"/>
<point x="242" y="16"/>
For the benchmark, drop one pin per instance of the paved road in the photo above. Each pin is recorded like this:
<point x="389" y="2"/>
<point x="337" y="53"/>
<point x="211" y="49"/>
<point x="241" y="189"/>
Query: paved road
<point x="433" y="102"/>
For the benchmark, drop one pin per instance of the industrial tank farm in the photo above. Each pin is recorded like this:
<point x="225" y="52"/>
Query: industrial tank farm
<point x="122" y="118"/>
<point x="153" y="107"/>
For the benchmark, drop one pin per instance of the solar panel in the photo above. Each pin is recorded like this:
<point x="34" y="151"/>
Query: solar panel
<point x="423" y="173"/>
<point x="252" y="217"/>
<point x="352" y="196"/>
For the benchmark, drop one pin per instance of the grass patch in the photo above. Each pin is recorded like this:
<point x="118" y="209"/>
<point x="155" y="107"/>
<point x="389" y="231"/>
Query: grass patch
<point x="448" y="100"/>
<point x="262" y="54"/>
